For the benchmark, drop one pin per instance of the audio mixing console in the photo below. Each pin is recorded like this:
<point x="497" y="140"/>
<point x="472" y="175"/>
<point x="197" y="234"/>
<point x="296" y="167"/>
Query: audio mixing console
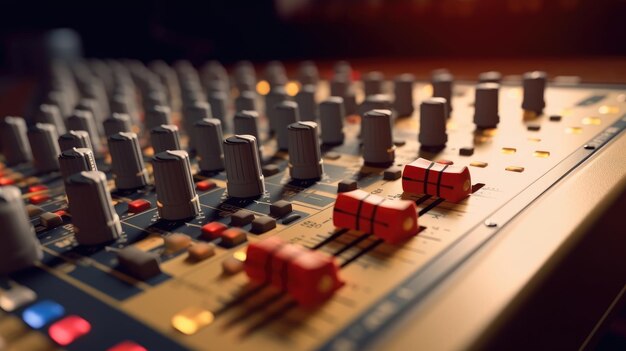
<point x="169" y="208"/>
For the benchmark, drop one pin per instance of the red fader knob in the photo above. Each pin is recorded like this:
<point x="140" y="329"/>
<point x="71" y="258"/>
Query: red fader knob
<point x="422" y="176"/>
<point x="391" y="220"/>
<point x="310" y="277"/>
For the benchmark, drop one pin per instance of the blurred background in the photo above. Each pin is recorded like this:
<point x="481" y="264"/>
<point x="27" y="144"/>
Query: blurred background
<point x="293" y="30"/>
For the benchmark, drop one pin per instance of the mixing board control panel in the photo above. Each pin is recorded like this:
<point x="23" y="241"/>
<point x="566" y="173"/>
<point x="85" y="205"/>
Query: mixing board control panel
<point x="167" y="208"/>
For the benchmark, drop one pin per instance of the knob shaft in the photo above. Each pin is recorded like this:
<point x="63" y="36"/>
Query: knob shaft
<point x="305" y="156"/>
<point x="486" y="105"/>
<point x="176" y="196"/>
<point x="76" y="160"/>
<point x="433" y="123"/>
<point x="378" y="148"/>
<point x="165" y="137"/>
<point x="332" y="113"/>
<point x="14" y="141"/>
<point x="93" y="216"/>
<point x="20" y="247"/>
<point x="534" y="87"/>
<point x="43" y="142"/>
<point x="243" y="169"/>
<point x="210" y="138"/>
<point x="129" y="170"/>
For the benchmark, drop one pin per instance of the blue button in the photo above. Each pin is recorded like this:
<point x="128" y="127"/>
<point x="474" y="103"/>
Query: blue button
<point x="41" y="313"/>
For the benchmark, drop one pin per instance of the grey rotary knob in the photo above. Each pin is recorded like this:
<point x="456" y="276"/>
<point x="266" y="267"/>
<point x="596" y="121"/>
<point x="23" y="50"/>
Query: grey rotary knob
<point x="375" y="102"/>
<point x="442" y="87"/>
<point x="43" y="142"/>
<point x="534" y="87"/>
<point x="490" y="77"/>
<point x="373" y="83"/>
<point x="76" y="160"/>
<point x="332" y="113"/>
<point x="193" y="113"/>
<point x="83" y="120"/>
<point x="20" y="248"/>
<point x="378" y="148"/>
<point x="433" y="123"/>
<point x="176" y="196"/>
<point x="276" y="96"/>
<point x="93" y="215"/>
<point x="305" y="156"/>
<point x="123" y="103"/>
<point x="245" y="101"/>
<point x="486" y="105"/>
<point x="92" y="106"/>
<point x="52" y="115"/>
<point x="14" y="142"/>
<point x="403" y="91"/>
<point x="286" y="113"/>
<point x="339" y="85"/>
<point x="156" y="116"/>
<point x="129" y="170"/>
<point x="308" y="73"/>
<point x="74" y="139"/>
<point x="210" y="153"/>
<point x="61" y="100"/>
<point x="245" y="76"/>
<point x="165" y="137"/>
<point x="247" y="122"/>
<point x="217" y="101"/>
<point x="117" y="123"/>
<point x="275" y="74"/>
<point x="243" y="168"/>
<point x="306" y="103"/>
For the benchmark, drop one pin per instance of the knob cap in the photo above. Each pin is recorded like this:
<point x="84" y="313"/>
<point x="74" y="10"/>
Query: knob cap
<point x="76" y="160"/>
<point x="378" y="148"/>
<point x="305" y="156"/>
<point x="308" y="73"/>
<point x="306" y="102"/>
<point x="210" y="138"/>
<point x="490" y="77"/>
<point x="176" y="195"/>
<point x="332" y="113"/>
<point x="43" y="142"/>
<point x="129" y="170"/>
<point x="195" y="112"/>
<point x="433" y="123"/>
<point x="534" y="87"/>
<point x="243" y="169"/>
<point x="442" y="87"/>
<point x="273" y="99"/>
<point x="83" y="120"/>
<point x="373" y="83"/>
<point x="117" y="123"/>
<point x="51" y="114"/>
<point x="165" y="137"/>
<point x="247" y="122"/>
<point x="245" y="101"/>
<point x="286" y="114"/>
<point x="375" y="102"/>
<point x="486" y="105"/>
<point x="15" y="146"/>
<point x="93" y="216"/>
<point x="20" y="247"/>
<point x="157" y="115"/>
<point x="74" y="138"/>
<point x="403" y="91"/>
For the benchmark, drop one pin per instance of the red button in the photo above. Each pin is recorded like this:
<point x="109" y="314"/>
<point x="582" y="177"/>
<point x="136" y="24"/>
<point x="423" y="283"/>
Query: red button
<point x="212" y="230"/>
<point x="61" y="213"/>
<point x="68" y="329"/>
<point x="205" y="185"/>
<point x="139" y="205"/>
<point x="6" y="181"/>
<point x="37" y="188"/>
<point x="37" y="199"/>
<point x="127" y="346"/>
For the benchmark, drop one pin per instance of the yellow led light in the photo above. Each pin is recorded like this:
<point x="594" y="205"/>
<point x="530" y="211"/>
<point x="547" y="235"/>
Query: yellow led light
<point x="595" y="121"/>
<point x="191" y="319"/>
<point x="541" y="154"/>
<point x="240" y="256"/>
<point x="508" y="150"/>
<point x="606" y="109"/>
<point x="292" y="88"/>
<point x="515" y="169"/>
<point x="263" y="87"/>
